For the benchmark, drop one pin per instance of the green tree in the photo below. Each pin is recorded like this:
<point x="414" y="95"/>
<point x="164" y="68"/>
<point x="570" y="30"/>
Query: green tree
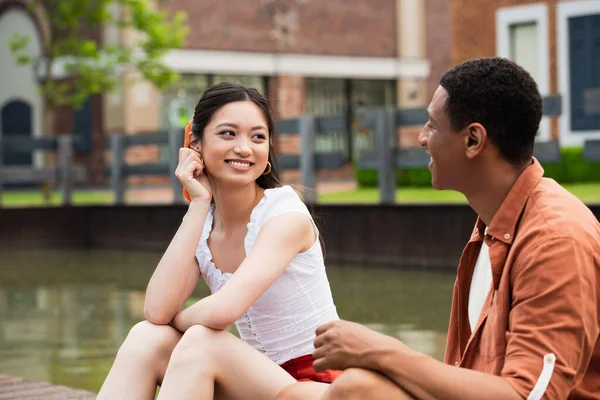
<point x="91" y="66"/>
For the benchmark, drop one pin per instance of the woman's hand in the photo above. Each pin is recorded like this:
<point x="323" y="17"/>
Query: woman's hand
<point x="190" y="172"/>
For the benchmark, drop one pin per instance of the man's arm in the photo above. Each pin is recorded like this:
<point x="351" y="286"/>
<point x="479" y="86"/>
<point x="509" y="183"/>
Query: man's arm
<point x="554" y="311"/>
<point x="554" y="317"/>
<point x="420" y="375"/>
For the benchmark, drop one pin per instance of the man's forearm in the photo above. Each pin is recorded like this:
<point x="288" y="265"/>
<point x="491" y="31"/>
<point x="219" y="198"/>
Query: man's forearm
<point x="426" y="378"/>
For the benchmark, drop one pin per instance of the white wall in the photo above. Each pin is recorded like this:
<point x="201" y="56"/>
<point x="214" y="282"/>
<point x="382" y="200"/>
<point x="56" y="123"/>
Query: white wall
<point x="18" y="82"/>
<point x="538" y="64"/>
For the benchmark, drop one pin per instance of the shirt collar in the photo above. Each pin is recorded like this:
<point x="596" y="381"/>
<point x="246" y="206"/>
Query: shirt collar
<point x="504" y="223"/>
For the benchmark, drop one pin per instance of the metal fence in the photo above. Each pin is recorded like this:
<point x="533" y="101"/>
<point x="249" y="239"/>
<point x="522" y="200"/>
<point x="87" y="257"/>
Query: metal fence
<point x="308" y="161"/>
<point x="387" y="156"/>
<point x="65" y="172"/>
<point x="377" y="128"/>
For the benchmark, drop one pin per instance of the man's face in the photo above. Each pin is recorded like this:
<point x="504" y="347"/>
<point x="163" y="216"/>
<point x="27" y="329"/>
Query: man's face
<point x="445" y="147"/>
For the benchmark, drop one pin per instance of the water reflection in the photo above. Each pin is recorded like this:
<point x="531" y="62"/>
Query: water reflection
<point x="63" y="314"/>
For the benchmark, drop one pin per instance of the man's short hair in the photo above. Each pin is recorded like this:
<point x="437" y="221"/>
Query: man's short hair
<point x="501" y="96"/>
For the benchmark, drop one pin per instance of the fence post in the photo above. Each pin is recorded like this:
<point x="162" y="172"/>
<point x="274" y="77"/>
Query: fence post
<point x="1" y="168"/>
<point x="308" y="139"/>
<point x="175" y="143"/>
<point x="116" y="172"/>
<point x="385" y="127"/>
<point x="65" y="157"/>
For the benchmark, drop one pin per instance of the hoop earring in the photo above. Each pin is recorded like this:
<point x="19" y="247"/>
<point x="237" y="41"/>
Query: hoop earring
<point x="268" y="171"/>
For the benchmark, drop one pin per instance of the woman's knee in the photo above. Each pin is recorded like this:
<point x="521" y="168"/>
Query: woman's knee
<point x="147" y="340"/>
<point x="198" y="341"/>
<point x="302" y="391"/>
<point x="356" y="383"/>
<point x="290" y="392"/>
<point x="353" y="383"/>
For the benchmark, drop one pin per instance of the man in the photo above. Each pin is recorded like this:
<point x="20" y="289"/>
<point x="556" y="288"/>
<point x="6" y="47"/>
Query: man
<point x="525" y="311"/>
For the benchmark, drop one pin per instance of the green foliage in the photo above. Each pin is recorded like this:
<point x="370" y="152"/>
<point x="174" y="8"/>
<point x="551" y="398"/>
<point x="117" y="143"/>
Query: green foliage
<point x="571" y="169"/>
<point x="17" y="44"/>
<point x="416" y="177"/>
<point x="93" y="67"/>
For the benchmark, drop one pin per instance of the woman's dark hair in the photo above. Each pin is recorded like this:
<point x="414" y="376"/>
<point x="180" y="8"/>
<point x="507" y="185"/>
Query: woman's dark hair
<point x="500" y="95"/>
<point x="227" y="92"/>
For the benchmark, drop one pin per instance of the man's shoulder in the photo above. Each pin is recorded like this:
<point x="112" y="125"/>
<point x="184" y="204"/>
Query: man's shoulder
<point x="554" y="215"/>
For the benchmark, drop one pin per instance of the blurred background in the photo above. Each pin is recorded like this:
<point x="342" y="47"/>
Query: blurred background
<point x="94" y="97"/>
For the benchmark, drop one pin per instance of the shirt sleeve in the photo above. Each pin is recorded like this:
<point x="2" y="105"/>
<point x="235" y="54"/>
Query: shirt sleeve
<point x="553" y="324"/>
<point x="283" y="200"/>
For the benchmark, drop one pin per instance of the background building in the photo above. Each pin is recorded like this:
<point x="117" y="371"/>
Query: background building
<point x="308" y="56"/>
<point x="558" y="42"/>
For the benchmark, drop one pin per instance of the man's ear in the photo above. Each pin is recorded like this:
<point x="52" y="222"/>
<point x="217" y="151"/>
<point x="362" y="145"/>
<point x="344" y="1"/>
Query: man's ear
<point x="475" y="139"/>
<point x="194" y="143"/>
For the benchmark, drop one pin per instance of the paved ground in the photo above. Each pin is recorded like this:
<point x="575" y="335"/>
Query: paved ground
<point x="23" y="389"/>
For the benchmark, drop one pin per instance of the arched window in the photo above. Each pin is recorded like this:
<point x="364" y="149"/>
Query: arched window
<point x="16" y="120"/>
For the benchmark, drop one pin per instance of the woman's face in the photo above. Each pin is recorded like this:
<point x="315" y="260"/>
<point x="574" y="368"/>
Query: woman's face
<point x="235" y="144"/>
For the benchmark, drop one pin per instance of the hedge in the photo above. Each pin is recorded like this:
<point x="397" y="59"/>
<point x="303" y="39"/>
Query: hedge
<point x="571" y="169"/>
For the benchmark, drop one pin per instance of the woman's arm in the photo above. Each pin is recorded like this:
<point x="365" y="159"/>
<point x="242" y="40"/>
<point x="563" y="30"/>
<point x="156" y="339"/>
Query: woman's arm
<point x="278" y="242"/>
<point x="177" y="272"/>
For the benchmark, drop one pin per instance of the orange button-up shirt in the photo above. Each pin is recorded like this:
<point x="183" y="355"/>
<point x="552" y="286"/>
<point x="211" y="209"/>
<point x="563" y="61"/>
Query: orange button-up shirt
<point x="539" y="327"/>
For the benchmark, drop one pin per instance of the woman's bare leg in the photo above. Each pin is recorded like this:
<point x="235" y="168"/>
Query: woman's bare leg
<point x="303" y="391"/>
<point x="356" y="383"/>
<point x="352" y="384"/>
<point x="209" y="364"/>
<point x="140" y="363"/>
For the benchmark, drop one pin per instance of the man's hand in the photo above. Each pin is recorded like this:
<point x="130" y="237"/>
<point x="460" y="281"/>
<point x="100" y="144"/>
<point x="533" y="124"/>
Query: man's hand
<point x="343" y="344"/>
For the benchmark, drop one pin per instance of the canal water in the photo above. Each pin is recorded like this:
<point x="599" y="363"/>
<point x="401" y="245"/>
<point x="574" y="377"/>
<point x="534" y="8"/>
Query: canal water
<point x="63" y="314"/>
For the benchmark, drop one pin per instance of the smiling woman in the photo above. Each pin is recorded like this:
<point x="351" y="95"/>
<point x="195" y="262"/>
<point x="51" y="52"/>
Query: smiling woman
<point x="256" y="246"/>
<point x="235" y="119"/>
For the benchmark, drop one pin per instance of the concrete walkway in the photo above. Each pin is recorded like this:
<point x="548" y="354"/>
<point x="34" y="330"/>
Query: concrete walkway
<point x="24" y="389"/>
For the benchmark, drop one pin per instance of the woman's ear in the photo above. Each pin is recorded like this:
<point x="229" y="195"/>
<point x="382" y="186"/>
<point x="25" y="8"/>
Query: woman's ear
<point x="195" y="143"/>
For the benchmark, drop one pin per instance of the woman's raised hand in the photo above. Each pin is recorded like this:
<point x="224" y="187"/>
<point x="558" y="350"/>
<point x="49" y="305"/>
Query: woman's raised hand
<point x="190" y="172"/>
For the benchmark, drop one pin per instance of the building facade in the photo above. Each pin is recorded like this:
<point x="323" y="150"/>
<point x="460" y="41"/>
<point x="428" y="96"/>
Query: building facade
<point x="318" y="57"/>
<point x="558" y="42"/>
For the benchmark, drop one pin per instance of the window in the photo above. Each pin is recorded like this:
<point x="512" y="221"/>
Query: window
<point x="330" y="97"/>
<point x="522" y="36"/>
<point x="372" y="93"/>
<point x="523" y="47"/>
<point x="325" y="96"/>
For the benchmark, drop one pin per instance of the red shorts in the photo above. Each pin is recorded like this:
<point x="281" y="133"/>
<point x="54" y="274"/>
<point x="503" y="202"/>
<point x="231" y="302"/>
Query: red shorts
<point x="302" y="370"/>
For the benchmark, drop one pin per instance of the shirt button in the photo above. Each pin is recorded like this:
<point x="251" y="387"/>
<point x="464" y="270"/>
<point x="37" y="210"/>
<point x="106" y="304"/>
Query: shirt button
<point x="507" y="236"/>
<point x="456" y="364"/>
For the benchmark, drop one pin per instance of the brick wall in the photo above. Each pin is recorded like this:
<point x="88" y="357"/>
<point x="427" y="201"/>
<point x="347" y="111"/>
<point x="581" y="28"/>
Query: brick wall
<point x="438" y="41"/>
<point x="94" y="161"/>
<point x="332" y="27"/>
<point x="473" y="32"/>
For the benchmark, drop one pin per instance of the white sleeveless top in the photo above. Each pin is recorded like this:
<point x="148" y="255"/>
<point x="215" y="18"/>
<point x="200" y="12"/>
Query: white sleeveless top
<point x="282" y="322"/>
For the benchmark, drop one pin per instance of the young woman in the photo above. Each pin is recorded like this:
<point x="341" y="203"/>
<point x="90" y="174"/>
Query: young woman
<point x="256" y="246"/>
